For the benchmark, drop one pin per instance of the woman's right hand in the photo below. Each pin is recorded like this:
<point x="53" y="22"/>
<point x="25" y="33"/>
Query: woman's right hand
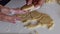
<point x="11" y="11"/>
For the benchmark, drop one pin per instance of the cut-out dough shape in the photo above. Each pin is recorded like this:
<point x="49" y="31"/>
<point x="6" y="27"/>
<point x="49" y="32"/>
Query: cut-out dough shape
<point x="40" y="19"/>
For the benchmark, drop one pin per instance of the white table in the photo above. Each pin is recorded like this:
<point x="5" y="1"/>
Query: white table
<point x="52" y="9"/>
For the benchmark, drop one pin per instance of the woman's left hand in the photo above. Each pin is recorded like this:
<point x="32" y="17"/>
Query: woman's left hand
<point x="7" y="18"/>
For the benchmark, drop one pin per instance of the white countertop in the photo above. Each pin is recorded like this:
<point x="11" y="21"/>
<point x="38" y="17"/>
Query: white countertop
<point x="52" y="9"/>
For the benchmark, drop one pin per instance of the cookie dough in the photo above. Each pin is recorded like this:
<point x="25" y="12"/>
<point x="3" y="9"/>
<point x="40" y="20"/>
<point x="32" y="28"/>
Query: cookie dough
<point x="27" y="7"/>
<point x="41" y="20"/>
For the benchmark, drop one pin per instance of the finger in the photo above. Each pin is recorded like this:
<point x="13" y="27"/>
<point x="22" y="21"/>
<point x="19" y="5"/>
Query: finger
<point x="18" y="11"/>
<point x="28" y="2"/>
<point x="8" y="18"/>
<point x="40" y="3"/>
<point x="5" y="10"/>
<point x="34" y="2"/>
<point x="1" y="16"/>
<point x="11" y="19"/>
<point x="1" y="6"/>
<point x="22" y="12"/>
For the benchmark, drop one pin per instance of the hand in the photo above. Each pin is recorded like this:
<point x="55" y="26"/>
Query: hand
<point x="6" y="18"/>
<point x="7" y="10"/>
<point x="35" y="2"/>
<point x="4" y="11"/>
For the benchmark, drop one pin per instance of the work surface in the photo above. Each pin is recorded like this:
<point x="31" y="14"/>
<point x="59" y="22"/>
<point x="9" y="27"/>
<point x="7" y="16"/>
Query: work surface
<point x="52" y="9"/>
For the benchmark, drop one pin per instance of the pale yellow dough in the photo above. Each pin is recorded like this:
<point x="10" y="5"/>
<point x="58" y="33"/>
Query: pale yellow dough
<point x="27" y="7"/>
<point x="50" y="1"/>
<point x="41" y="19"/>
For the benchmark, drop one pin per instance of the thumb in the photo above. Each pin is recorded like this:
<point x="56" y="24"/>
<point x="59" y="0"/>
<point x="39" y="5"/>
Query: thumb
<point x="28" y="2"/>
